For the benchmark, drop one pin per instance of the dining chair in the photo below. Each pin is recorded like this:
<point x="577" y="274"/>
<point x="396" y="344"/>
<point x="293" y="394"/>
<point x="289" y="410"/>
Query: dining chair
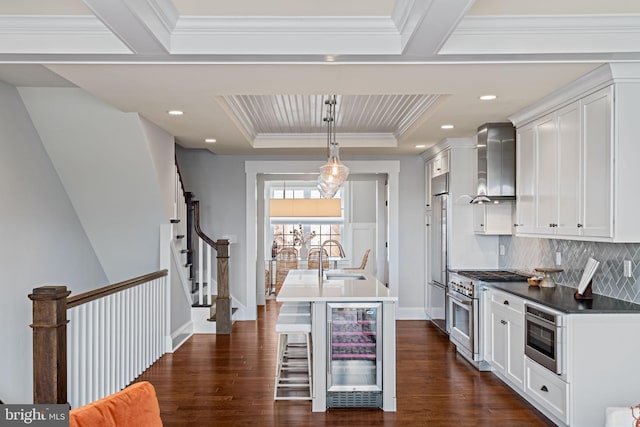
<point x="364" y="262"/>
<point x="313" y="260"/>
<point x="286" y="259"/>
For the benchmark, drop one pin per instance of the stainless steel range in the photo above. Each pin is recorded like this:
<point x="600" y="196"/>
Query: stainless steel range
<point x="464" y="309"/>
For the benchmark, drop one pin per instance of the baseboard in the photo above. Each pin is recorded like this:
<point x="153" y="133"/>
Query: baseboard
<point x="180" y="335"/>
<point x="410" y="313"/>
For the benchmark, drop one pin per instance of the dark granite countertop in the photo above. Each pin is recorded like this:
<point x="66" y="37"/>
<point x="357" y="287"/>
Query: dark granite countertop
<point x="561" y="298"/>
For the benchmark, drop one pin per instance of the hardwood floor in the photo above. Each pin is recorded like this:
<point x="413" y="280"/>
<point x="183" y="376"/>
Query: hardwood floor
<point x="227" y="380"/>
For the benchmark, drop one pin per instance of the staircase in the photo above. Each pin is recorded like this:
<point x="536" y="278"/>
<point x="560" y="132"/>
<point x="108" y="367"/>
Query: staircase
<point x="211" y="302"/>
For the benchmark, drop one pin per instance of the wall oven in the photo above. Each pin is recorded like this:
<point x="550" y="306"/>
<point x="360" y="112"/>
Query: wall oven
<point x="544" y="332"/>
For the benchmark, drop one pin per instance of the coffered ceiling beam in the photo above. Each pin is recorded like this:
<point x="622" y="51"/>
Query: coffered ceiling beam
<point x="124" y="18"/>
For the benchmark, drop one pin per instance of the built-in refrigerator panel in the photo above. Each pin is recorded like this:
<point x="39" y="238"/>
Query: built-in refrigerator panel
<point x="354" y="359"/>
<point x="438" y="253"/>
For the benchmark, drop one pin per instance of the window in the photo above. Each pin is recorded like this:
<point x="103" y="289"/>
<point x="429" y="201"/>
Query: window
<point x="323" y="228"/>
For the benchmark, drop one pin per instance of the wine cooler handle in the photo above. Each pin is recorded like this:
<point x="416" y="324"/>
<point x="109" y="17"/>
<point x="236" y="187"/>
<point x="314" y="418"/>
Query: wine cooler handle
<point x="330" y="348"/>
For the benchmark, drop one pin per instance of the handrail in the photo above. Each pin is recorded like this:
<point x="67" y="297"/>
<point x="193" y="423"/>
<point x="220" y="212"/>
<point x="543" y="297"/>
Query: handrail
<point x="198" y="230"/>
<point x="112" y="289"/>
<point x="179" y="175"/>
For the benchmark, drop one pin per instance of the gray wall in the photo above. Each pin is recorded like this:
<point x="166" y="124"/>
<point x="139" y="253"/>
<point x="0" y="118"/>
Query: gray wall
<point x="43" y="241"/>
<point x="219" y="183"/>
<point x="529" y="252"/>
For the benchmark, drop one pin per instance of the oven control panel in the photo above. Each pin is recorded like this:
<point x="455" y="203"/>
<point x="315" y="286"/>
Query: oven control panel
<point x="460" y="285"/>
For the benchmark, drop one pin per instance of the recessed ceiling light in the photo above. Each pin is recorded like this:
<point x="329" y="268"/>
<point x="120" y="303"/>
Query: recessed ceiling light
<point x="488" y="97"/>
<point x="420" y="146"/>
<point x="175" y="112"/>
<point x="446" y="127"/>
<point x="210" y="140"/>
<point x="329" y="58"/>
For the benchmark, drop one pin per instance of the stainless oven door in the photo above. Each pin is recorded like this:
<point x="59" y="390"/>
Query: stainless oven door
<point x="463" y="312"/>
<point x="543" y="340"/>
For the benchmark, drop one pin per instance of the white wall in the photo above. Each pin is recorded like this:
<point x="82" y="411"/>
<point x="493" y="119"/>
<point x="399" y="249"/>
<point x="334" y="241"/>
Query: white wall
<point x="104" y="161"/>
<point x="43" y="242"/>
<point x="162" y="151"/>
<point x="219" y="183"/>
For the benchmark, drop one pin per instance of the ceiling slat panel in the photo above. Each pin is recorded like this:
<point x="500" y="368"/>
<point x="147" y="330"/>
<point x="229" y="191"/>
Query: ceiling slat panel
<point x="303" y="114"/>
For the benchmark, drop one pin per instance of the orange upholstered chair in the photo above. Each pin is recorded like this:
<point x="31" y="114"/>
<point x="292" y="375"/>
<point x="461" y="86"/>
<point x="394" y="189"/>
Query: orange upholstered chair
<point x="136" y="405"/>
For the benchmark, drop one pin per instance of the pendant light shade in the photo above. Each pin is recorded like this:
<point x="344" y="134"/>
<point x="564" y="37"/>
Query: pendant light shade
<point x="333" y="173"/>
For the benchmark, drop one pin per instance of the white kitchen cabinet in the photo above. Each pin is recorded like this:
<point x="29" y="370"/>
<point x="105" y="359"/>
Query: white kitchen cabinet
<point x="505" y="340"/>
<point x="547" y="389"/>
<point x="568" y="166"/>
<point x="440" y="164"/>
<point x="493" y="218"/>
<point x="427" y="185"/>
<point x="571" y="174"/>
<point x="596" y="217"/>
<point x="526" y="161"/>
<point x="546" y="146"/>
<point x="595" y="158"/>
<point x="597" y="359"/>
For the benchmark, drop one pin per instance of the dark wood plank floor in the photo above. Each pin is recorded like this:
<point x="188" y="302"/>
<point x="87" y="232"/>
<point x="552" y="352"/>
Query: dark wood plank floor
<point x="227" y="380"/>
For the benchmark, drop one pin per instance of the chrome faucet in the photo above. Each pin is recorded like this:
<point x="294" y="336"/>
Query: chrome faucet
<point x="342" y="255"/>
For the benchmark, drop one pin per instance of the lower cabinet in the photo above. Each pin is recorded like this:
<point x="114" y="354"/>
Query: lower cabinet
<point x="547" y="389"/>
<point x="599" y="353"/>
<point x="506" y="337"/>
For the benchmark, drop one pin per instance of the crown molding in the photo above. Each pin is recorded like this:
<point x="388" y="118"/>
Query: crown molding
<point x="285" y="35"/>
<point x="57" y="34"/>
<point x="544" y="34"/>
<point x="597" y="79"/>
<point x="319" y="140"/>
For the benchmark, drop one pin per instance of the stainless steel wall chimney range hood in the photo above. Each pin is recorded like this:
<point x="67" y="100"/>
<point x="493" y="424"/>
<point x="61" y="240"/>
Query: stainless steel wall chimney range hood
<point x="496" y="163"/>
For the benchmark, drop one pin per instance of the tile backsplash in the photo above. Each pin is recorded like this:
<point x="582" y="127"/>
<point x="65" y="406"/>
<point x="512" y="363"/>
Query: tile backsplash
<point x="527" y="253"/>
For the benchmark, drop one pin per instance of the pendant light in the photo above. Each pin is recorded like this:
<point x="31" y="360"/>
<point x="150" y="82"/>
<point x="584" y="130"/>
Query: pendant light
<point x="333" y="173"/>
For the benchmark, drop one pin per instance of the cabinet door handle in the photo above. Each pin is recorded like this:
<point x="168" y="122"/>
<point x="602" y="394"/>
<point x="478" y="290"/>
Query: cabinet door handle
<point x="515" y="225"/>
<point x="580" y="226"/>
<point x="481" y="225"/>
<point x="504" y="322"/>
<point x="506" y="302"/>
<point x="544" y="388"/>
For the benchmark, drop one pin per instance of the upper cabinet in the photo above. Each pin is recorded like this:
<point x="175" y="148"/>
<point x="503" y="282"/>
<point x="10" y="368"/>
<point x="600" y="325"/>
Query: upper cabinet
<point x="427" y="185"/>
<point x="577" y="155"/>
<point x="565" y="175"/>
<point x="440" y="164"/>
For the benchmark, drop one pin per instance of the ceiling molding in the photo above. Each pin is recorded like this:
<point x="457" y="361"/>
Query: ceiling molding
<point x="58" y="35"/>
<point x="124" y="19"/>
<point x="544" y="34"/>
<point x="319" y="140"/>
<point x="285" y="35"/>
<point x="433" y="30"/>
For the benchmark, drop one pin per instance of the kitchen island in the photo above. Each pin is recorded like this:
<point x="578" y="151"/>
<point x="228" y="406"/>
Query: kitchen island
<point x="343" y="291"/>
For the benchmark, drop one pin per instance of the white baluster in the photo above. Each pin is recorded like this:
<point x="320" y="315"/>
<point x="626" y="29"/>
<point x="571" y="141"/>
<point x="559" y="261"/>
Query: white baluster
<point x="209" y="276"/>
<point x="200" y="272"/>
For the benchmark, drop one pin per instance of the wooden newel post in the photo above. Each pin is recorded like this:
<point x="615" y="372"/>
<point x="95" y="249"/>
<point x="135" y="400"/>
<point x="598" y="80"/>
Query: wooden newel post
<point x="49" y="344"/>
<point x="223" y="301"/>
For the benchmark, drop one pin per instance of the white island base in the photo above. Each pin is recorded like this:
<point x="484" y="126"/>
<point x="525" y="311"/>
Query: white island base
<point x="304" y="286"/>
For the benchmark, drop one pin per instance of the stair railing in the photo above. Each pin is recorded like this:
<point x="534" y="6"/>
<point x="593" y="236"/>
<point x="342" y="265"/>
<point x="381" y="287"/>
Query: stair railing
<point x="96" y="343"/>
<point x="222" y="307"/>
<point x="205" y="287"/>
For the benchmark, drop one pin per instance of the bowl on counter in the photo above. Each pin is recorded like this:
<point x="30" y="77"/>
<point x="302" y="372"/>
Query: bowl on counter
<point x="534" y="281"/>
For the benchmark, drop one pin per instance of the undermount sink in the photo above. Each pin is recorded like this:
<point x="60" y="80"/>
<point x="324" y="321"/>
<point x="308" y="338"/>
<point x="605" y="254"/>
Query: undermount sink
<point x="345" y="276"/>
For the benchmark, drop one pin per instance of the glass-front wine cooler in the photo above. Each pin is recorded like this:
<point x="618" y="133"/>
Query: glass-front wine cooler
<point x="354" y="360"/>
